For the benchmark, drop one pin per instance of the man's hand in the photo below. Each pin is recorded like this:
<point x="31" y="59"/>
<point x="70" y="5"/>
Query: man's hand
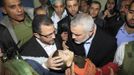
<point x="55" y="62"/>
<point x="68" y="57"/>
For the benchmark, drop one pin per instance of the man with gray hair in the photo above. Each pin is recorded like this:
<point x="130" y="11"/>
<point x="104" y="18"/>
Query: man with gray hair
<point x="91" y="42"/>
<point x="59" y="11"/>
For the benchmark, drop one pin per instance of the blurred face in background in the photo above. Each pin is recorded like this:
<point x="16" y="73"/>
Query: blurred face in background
<point x="124" y="7"/>
<point x="43" y="2"/>
<point x="110" y="5"/>
<point x="94" y="10"/>
<point x="84" y="6"/>
<point x="59" y="8"/>
<point x="14" y="9"/>
<point x="40" y="11"/>
<point x="130" y="17"/>
<point x="72" y="7"/>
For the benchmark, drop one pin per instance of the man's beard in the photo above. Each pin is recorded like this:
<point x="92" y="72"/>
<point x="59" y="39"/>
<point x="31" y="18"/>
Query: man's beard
<point x="79" y="42"/>
<point x="130" y="25"/>
<point x="48" y="43"/>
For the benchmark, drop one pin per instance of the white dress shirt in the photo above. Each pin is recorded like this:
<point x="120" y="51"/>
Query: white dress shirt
<point x="49" y="49"/>
<point x="119" y="55"/>
<point x="88" y="43"/>
<point x="55" y="18"/>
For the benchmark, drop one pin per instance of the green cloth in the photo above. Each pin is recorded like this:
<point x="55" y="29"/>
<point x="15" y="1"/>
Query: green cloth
<point x="23" y="31"/>
<point x="127" y="67"/>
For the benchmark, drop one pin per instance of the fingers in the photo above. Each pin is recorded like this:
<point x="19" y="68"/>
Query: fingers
<point x="54" y="63"/>
<point x="65" y="47"/>
<point x="111" y="71"/>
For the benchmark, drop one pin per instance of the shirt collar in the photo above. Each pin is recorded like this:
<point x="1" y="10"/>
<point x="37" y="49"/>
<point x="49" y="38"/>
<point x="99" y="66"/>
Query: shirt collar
<point x="89" y="41"/>
<point x="43" y="44"/>
<point x="56" y="16"/>
<point x="124" y="30"/>
<point x="123" y="27"/>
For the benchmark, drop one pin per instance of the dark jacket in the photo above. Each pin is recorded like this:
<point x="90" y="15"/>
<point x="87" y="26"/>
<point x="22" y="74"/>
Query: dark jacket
<point x="102" y="49"/>
<point x="112" y="25"/>
<point x="99" y="22"/>
<point x="6" y="40"/>
<point x="33" y="48"/>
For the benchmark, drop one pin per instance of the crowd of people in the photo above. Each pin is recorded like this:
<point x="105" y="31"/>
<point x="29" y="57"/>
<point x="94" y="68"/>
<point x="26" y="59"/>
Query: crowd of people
<point x="68" y="37"/>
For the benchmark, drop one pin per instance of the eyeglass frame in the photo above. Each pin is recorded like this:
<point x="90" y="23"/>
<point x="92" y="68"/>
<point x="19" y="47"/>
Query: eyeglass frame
<point x="48" y="35"/>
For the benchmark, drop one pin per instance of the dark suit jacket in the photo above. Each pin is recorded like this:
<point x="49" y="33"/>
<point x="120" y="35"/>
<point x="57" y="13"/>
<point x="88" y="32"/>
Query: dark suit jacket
<point x="102" y="49"/>
<point x="33" y="48"/>
<point x="99" y="22"/>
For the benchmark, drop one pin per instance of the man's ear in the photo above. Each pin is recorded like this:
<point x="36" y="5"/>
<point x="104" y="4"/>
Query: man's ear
<point x="3" y="10"/>
<point x="36" y="35"/>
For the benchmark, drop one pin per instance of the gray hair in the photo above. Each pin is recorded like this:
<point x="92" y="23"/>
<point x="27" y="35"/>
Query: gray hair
<point x="83" y="20"/>
<point x="55" y="1"/>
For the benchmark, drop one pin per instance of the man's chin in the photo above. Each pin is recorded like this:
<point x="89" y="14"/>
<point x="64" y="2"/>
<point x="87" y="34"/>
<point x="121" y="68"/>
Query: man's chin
<point x="78" y="42"/>
<point x="51" y="43"/>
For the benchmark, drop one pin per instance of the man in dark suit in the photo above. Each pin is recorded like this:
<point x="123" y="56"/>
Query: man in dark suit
<point x="94" y="10"/>
<point x="43" y="44"/>
<point x="72" y="10"/>
<point x="91" y="42"/>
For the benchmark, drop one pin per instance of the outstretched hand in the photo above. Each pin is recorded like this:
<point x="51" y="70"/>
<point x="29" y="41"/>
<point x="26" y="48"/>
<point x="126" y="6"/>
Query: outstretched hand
<point x="55" y="62"/>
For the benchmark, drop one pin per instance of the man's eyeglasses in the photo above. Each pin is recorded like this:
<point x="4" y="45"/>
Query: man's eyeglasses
<point x="47" y="36"/>
<point x="131" y="11"/>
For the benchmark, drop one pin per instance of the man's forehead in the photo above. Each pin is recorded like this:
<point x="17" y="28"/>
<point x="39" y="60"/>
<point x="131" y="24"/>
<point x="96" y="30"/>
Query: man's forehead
<point x="12" y="2"/>
<point x="132" y="7"/>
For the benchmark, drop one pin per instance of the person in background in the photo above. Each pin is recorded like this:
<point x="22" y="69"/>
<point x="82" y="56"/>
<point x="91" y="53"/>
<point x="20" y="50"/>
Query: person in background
<point x="110" y="9"/>
<point x="94" y="11"/>
<point x="17" y="21"/>
<point x="40" y="10"/>
<point x="59" y="11"/>
<point x="84" y="6"/>
<point x="46" y="5"/>
<point x="110" y="16"/>
<point x="72" y="10"/>
<point x="124" y="8"/>
<point x="126" y="31"/>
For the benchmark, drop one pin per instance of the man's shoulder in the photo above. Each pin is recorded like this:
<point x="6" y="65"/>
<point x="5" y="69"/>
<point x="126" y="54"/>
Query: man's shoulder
<point x="5" y="20"/>
<point x="2" y="27"/>
<point x="103" y="33"/>
<point x="105" y="38"/>
<point x="29" y="44"/>
<point x="64" y="20"/>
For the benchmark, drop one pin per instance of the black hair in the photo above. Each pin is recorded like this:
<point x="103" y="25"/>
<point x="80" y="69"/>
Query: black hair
<point x="130" y="5"/>
<point x="71" y="0"/>
<point x="96" y="2"/>
<point x="40" y="20"/>
<point x="2" y="3"/>
<point x="114" y="9"/>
